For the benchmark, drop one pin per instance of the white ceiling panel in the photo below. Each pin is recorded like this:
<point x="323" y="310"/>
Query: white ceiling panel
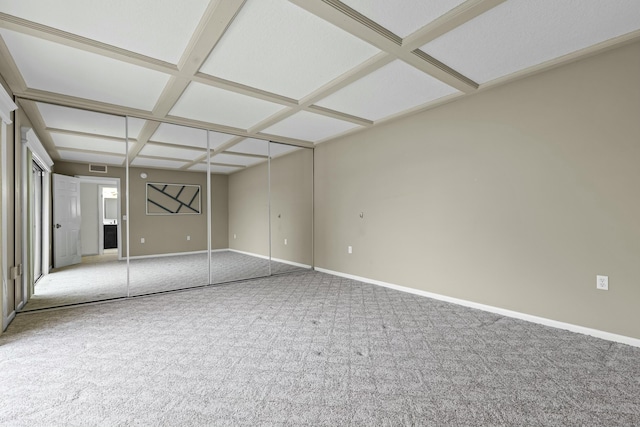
<point x="157" y="163"/>
<point x="216" y="139"/>
<point x="519" y="34"/>
<point x="170" y="152"/>
<point x="77" y="156"/>
<point x="309" y="126"/>
<point x="207" y="103"/>
<point x="202" y="167"/>
<point x="278" y="47"/>
<point x="230" y="159"/>
<point x="389" y="90"/>
<point x="402" y="19"/>
<point x="57" y="68"/>
<point x="57" y="117"/>
<point x="251" y="146"/>
<point x="90" y="143"/>
<point x="181" y="135"/>
<point x="163" y="33"/>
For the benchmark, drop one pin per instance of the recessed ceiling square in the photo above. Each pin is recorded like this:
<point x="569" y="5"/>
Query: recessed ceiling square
<point x="88" y="143"/>
<point x="389" y="90"/>
<point x="202" y="167"/>
<point x="180" y="135"/>
<point x="214" y="105"/>
<point x="309" y="127"/>
<point x="77" y="156"/>
<point x="519" y="34"/>
<point x="155" y="150"/>
<point x="53" y="67"/>
<point x="403" y="18"/>
<point x="157" y="28"/>
<point x="278" y="47"/>
<point x="251" y="146"/>
<point x="230" y="159"/>
<point x="75" y="119"/>
<point x="158" y="163"/>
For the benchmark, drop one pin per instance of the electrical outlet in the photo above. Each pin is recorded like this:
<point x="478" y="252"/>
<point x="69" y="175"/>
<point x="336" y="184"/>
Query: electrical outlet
<point x="602" y="283"/>
<point x="142" y="240"/>
<point x="188" y="237"/>
<point x="285" y="242"/>
<point x="350" y="249"/>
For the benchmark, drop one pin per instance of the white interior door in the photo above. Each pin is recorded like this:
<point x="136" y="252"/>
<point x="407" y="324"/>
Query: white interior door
<point x="66" y="221"/>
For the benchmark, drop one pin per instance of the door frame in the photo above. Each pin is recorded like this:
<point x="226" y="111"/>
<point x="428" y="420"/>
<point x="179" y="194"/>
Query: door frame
<point x="106" y="182"/>
<point x="31" y="143"/>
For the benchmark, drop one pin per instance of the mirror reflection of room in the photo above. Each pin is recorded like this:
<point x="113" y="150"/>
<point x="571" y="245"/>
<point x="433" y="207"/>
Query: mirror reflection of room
<point x="204" y="207"/>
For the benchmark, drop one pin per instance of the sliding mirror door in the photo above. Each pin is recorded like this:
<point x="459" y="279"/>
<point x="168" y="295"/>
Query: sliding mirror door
<point x="245" y="161"/>
<point x="75" y="214"/>
<point x="168" y="199"/>
<point x="291" y="182"/>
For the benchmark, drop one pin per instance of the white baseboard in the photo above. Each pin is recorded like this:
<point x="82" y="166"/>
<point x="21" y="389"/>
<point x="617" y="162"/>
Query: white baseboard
<point x="497" y="310"/>
<point x="284" y="261"/>
<point x="166" y="255"/>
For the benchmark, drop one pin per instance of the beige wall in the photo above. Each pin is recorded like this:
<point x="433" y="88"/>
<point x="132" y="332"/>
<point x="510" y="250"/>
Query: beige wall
<point x="291" y="191"/>
<point x="292" y="207"/>
<point x="89" y="234"/>
<point x="166" y="233"/>
<point x="249" y="210"/>
<point x="516" y="197"/>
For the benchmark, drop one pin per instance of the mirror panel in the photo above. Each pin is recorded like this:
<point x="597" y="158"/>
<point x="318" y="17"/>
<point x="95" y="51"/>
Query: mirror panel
<point x="291" y="183"/>
<point x="87" y="248"/>
<point x="247" y="232"/>
<point x="167" y="209"/>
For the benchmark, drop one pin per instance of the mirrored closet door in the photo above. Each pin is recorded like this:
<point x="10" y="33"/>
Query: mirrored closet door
<point x="245" y="163"/>
<point x="81" y="234"/>
<point x="164" y="207"/>
<point x="168" y="200"/>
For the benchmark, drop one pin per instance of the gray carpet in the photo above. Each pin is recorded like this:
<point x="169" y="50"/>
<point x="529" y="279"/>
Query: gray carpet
<point x="306" y="349"/>
<point x="98" y="280"/>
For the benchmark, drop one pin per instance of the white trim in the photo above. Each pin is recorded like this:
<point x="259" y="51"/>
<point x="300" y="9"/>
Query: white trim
<point x="31" y="140"/>
<point x="284" y="261"/>
<point x="497" y="310"/>
<point x="171" y="254"/>
<point x="4" y="203"/>
<point x="249" y="253"/>
<point x="6" y="106"/>
<point x="296" y="264"/>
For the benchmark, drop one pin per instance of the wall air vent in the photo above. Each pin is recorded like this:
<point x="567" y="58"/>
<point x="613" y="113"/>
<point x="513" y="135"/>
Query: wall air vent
<point x="98" y="168"/>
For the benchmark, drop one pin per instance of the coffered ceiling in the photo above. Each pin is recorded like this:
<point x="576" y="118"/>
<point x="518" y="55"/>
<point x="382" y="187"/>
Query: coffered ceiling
<point x="298" y="72"/>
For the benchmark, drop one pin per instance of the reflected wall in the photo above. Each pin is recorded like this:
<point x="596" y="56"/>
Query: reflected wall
<point x="248" y="213"/>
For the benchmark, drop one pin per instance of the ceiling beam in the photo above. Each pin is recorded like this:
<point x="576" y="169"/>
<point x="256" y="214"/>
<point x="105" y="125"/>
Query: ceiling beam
<point x="342" y="16"/>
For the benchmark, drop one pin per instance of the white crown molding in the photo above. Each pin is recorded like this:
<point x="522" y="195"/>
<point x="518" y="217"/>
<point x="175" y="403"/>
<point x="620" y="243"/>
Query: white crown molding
<point x="31" y="140"/>
<point x="6" y="106"/>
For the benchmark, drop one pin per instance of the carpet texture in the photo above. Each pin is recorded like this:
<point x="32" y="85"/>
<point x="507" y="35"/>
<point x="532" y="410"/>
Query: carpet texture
<point x="306" y="349"/>
<point x="100" y="280"/>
